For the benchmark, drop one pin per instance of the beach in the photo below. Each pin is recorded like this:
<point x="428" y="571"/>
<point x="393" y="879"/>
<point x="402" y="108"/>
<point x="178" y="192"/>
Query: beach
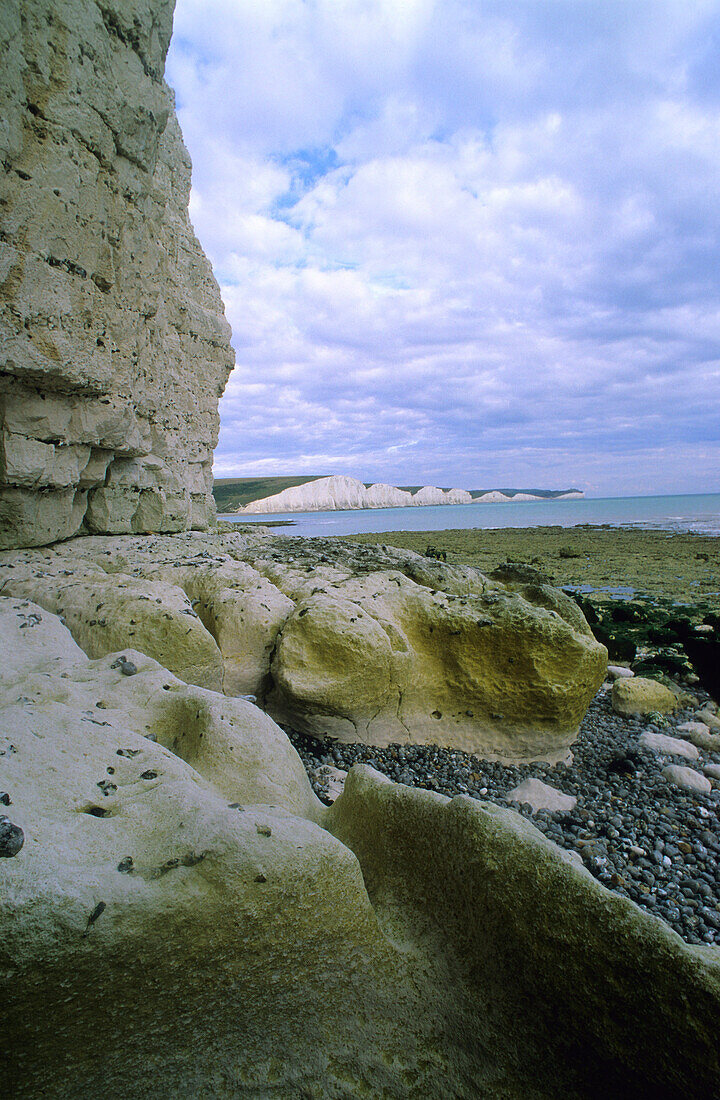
<point x="635" y="828"/>
<point x="684" y="567"/>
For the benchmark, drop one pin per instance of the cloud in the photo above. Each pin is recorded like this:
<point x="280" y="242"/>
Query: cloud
<point x="459" y="243"/>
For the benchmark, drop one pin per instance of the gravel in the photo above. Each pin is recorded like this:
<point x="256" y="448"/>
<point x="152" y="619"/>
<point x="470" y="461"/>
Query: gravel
<point x="637" y="834"/>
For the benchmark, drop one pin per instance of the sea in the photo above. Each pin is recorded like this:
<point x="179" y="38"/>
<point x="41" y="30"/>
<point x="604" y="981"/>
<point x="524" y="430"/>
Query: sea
<point x="698" y="512"/>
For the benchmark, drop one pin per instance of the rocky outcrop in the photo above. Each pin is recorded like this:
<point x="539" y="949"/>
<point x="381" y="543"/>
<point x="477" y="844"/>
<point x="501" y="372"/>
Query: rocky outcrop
<point x="114" y="344"/>
<point x="185" y="919"/>
<point x="363" y="643"/>
<point x="396" y="652"/>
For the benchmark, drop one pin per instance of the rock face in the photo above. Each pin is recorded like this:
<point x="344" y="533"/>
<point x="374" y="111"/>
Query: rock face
<point x="363" y="643"/>
<point x="185" y="918"/>
<point x="114" y="344"/>
<point x="329" y="494"/>
<point x="338" y="493"/>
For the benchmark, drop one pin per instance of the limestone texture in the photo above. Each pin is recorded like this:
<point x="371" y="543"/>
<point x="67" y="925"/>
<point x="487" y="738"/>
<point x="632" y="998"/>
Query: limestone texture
<point x="642" y="696"/>
<point x="114" y="346"/>
<point x="186" y="919"/>
<point x="375" y="645"/>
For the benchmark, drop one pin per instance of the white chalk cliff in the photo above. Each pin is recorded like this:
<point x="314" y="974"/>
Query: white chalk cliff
<point x="340" y="493"/>
<point x="330" y="494"/>
<point x="114" y="347"/>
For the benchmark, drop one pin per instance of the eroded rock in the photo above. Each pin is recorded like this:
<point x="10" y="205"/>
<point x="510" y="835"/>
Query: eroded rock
<point x="115" y="348"/>
<point x="193" y="889"/>
<point x="401" y="649"/>
<point x="364" y="644"/>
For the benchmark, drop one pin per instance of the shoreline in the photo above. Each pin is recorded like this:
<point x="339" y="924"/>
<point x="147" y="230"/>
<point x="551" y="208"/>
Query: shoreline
<point x="683" y="566"/>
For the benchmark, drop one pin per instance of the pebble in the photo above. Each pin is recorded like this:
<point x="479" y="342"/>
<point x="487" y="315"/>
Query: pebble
<point x="127" y="667"/>
<point x="619" y="672"/>
<point x="687" y="778"/>
<point x="639" y="835"/>
<point x="329" y="782"/>
<point x="541" y="796"/>
<point x="671" y="746"/>
<point x="12" y="838"/>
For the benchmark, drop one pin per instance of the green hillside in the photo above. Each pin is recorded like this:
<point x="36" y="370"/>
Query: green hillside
<point x="232" y="493"/>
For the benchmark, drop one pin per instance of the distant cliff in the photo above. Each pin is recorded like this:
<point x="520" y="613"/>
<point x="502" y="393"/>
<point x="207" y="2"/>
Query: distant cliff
<point x="341" y="493"/>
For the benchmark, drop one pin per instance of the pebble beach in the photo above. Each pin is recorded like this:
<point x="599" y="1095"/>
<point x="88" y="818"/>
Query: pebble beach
<point x="635" y="829"/>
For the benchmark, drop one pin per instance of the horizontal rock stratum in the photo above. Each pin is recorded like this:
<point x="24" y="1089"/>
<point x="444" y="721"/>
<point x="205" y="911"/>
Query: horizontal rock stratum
<point x="114" y="348"/>
<point x="184" y="919"/>
<point x="340" y="493"/>
<point x="361" y="643"/>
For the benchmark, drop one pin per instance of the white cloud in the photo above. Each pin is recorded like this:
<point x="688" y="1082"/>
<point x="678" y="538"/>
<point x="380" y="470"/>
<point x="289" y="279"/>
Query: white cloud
<point x="461" y="243"/>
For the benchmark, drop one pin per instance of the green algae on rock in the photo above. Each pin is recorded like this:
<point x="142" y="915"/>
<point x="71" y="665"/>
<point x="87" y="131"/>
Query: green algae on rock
<point x="376" y="645"/>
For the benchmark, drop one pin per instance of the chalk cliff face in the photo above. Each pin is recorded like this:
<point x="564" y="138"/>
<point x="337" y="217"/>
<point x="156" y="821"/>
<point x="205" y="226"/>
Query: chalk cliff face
<point x="338" y="493"/>
<point x="115" y="348"/>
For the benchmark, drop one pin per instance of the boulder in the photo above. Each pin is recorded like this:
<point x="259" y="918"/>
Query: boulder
<point x="364" y="644"/>
<point x="106" y="612"/>
<point x="381" y="657"/>
<point x="429" y="863"/>
<point x="184" y="918"/>
<point x="642" y="696"/>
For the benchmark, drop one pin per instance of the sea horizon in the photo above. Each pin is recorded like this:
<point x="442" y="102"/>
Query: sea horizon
<point x="692" y="512"/>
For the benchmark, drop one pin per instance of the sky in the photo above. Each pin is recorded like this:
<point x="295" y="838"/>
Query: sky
<point x="466" y="243"/>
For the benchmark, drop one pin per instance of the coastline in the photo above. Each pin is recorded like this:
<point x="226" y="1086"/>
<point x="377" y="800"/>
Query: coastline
<point x="678" y="565"/>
